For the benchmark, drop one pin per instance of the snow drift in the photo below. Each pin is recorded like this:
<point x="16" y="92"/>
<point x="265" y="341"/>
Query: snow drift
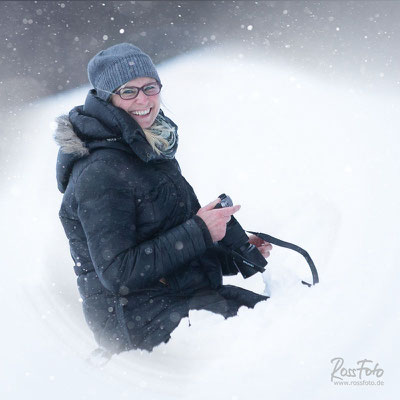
<point x="310" y="163"/>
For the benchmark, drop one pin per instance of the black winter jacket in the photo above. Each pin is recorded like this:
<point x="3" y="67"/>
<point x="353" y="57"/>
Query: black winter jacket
<point x="142" y="257"/>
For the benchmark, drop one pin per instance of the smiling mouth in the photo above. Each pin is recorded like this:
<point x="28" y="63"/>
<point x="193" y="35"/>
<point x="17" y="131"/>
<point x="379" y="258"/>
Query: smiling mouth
<point x="141" y="113"/>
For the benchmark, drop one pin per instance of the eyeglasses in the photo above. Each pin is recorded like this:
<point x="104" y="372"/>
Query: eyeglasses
<point x="131" y="92"/>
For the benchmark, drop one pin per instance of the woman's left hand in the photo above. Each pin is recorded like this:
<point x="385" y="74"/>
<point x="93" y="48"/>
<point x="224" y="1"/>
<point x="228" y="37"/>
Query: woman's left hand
<point x="263" y="247"/>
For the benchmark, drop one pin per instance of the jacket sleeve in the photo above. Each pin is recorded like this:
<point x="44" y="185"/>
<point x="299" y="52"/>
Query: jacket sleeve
<point x="107" y="211"/>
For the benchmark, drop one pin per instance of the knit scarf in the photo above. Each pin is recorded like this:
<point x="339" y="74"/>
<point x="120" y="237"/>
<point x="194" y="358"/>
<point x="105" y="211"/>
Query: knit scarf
<point x="167" y="131"/>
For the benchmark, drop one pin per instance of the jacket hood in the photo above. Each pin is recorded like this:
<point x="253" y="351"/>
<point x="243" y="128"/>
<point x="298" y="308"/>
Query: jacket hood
<point x="67" y="139"/>
<point x="97" y="124"/>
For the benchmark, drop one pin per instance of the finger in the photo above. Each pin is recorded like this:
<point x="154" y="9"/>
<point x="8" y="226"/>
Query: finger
<point x="253" y="239"/>
<point x="227" y="211"/>
<point x="266" y="244"/>
<point x="211" y="205"/>
<point x="264" y="252"/>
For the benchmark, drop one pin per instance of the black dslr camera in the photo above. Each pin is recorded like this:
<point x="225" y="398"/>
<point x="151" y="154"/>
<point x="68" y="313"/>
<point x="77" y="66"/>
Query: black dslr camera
<point x="246" y="257"/>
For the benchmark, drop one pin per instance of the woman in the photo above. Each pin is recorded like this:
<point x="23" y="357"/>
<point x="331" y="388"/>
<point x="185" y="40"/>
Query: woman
<point x="145" y="252"/>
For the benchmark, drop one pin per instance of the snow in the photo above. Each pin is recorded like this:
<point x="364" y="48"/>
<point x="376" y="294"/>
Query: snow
<point x="310" y="162"/>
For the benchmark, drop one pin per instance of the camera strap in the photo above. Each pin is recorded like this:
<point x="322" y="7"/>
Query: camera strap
<point x="281" y="243"/>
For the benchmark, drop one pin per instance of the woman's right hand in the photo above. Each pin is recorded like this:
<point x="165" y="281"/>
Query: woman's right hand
<point x="216" y="219"/>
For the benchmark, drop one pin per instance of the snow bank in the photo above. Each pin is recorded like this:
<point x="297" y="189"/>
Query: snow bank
<point x="310" y="163"/>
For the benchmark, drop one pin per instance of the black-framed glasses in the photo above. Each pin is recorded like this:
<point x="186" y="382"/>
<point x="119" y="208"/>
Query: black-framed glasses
<point x="131" y="92"/>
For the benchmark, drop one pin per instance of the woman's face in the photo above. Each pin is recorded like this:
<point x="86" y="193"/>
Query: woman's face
<point x="139" y="103"/>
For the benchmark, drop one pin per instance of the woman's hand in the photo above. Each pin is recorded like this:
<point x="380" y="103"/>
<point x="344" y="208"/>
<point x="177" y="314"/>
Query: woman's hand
<point x="263" y="247"/>
<point x="217" y="219"/>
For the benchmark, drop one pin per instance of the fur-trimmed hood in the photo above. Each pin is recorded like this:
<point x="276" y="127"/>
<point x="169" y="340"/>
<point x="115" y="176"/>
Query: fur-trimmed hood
<point x="67" y="139"/>
<point x="98" y="124"/>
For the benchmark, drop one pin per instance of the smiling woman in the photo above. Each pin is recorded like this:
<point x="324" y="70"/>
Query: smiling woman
<point x="140" y="98"/>
<point x="145" y="252"/>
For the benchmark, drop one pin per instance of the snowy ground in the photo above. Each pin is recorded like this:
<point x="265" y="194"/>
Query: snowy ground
<point x="311" y="163"/>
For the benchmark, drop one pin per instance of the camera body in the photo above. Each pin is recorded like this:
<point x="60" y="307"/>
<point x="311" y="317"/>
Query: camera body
<point x="246" y="257"/>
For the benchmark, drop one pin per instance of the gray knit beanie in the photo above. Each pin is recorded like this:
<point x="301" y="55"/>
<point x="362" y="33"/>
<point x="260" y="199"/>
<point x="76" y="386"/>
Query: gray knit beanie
<point x="111" y="68"/>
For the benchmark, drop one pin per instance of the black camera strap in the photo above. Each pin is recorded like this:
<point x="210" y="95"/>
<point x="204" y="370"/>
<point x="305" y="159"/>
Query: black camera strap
<point x="281" y="243"/>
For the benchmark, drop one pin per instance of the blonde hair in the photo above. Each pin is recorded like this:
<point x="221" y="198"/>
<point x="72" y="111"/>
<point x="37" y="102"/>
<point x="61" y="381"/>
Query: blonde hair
<point x="154" y="139"/>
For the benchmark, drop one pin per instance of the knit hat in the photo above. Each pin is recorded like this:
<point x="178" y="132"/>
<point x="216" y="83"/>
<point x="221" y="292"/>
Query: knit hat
<point x="111" y="68"/>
